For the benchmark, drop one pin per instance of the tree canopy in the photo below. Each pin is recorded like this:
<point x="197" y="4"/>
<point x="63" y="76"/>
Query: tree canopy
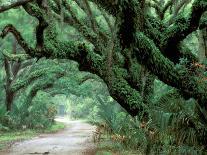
<point x="132" y="37"/>
<point x="129" y="44"/>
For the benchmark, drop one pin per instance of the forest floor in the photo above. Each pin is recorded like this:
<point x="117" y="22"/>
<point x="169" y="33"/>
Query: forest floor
<point x="75" y="139"/>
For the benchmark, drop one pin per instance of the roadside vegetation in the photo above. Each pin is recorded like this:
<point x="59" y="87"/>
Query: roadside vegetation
<point x="9" y="137"/>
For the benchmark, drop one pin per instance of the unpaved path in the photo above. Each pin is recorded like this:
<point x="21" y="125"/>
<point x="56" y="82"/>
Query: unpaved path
<point x="75" y="139"/>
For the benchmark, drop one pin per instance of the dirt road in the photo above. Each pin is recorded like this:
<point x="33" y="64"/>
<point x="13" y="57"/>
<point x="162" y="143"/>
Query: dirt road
<point x="75" y="139"/>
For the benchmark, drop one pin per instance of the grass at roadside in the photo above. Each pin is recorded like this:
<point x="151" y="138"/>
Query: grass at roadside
<point x="108" y="147"/>
<point x="54" y="128"/>
<point x="9" y="137"/>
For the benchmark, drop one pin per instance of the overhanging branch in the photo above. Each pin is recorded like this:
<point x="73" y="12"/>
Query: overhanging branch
<point x="13" y="5"/>
<point x="166" y="71"/>
<point x="184" y="26"/>
<point x="11" y="29"/>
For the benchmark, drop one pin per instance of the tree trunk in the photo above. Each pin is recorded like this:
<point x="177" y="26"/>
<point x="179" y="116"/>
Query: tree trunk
<point x="9" y="99"/>
<point x="11" y="69"/>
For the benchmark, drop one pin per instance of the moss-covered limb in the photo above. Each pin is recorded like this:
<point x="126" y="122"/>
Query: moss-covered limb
<point x="89" y="61"/>
<point x="134" y="69"/>
<point x="86" y="31"/>
<point x="140" y="79"/>
<point x="154" y="29"/>
<point x="57" y="91"/>
<point x="15" y="57"/>
<point x="110" y="6"/>
<point x="11" y="29"/>
<point x="50" y="40"/>
<point x="69" y="9"/>
<point x="126" y="96"/>
<point x="166" y="71"/>
<point x="94" y="24"/>
<point x="184" y="26"/>
<point x="131" y="18"/>
<point x="129" y="98"/>
<point x="42" y="83"/>
<point x="172" y="36"/>
<point x="119" y="88"/>
<point x="46" y="31"/>
<point x="13" y="5"/>
<point x="148" y="89"/>
<point x="40" y="86"/>
<point x="36" y="10"/>
<point x="18" y="84"/>
<point x="96" y="37"/>
<point x="25" y="81"/>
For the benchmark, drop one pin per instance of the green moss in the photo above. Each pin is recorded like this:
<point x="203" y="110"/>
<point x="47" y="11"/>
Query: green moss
<point x="15" y="57"/>
<point x="34" y="9"/>
<point x="128" y="97"/>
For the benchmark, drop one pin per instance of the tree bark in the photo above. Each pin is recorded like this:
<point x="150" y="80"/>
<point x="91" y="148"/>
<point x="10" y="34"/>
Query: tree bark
<point x="9" y="78"/>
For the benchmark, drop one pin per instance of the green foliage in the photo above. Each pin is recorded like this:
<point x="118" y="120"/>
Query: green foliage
<point x="39" y="114"/>
<point x="22" y="21"/>
<point x="11" y="136"/>
<point x="3" y="118"/>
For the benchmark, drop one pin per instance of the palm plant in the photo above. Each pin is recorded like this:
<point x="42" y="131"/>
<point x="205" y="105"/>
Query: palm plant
<point x="178" y="127"/>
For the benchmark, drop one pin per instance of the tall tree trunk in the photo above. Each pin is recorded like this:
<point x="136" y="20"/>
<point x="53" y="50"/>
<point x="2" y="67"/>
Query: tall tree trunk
<point x="9" y="78"/>
<point x="11" y="69"/>
<point x="9" y="99"/>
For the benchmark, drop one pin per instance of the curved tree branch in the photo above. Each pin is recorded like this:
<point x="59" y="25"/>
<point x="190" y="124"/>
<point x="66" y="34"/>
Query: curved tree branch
<point x="11" y="29"/>
<point x="183" y="27"/>
<point x="14" y="4"/>
<point x="151" y="57"/>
